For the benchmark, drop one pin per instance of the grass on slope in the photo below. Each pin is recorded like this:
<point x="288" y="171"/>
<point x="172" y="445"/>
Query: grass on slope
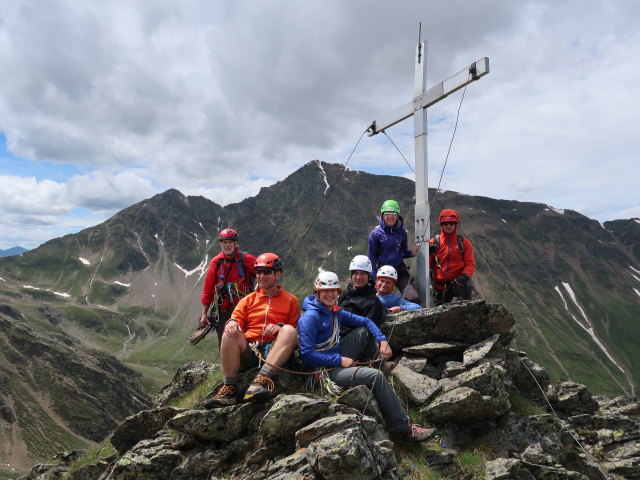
<point x="9" y="475"/>
<point x="33" y="421"/>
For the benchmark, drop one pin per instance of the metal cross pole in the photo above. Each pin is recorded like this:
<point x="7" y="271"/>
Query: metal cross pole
<point x="422" y="100"/>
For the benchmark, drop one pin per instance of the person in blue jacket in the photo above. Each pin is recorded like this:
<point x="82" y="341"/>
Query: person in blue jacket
<point x="388" y="246"/>
<point x="322" y="346"/>
<point x="386" y="279"/>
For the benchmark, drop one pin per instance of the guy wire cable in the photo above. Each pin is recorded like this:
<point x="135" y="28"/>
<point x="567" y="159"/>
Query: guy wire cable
<point x="326" y="198"/>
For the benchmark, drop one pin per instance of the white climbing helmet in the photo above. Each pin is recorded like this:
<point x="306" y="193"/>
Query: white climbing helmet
<point x="326" y="281"/>
<point x="389" y="272"/>
<point x="361" y="262"/>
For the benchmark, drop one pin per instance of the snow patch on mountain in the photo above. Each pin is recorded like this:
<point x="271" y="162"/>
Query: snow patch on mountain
<point x="589" y="326"/>
<point x="557" y="210"/>
<point x="324" y="175"/>
<point x="123" y="284"/>
<point x="84" y="260"/>
<point x="202" y="268"/>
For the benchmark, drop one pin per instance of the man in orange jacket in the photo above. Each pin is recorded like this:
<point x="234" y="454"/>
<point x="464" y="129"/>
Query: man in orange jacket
<point x="268" y="318"/>
<point x="451" y="261"/>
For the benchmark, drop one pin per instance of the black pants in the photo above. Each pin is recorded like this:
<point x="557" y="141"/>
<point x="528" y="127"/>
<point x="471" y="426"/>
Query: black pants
<point x="463" y="292"/>
<point x="224" y="316"/>
<point x="405" y="285"/>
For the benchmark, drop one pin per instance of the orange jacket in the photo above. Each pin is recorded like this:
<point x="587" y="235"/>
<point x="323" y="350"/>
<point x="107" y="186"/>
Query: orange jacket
<point x="257" y="310"/>
<point x="450" y="262"/>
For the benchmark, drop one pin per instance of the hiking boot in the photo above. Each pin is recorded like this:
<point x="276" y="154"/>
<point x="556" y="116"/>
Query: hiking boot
<point x="225" y="396"/>
<point x="260" y="390"/>
<point x="418" y="434"/>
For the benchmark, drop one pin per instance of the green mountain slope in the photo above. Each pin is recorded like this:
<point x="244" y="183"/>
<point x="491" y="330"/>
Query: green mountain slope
<point x="131" y="286"/>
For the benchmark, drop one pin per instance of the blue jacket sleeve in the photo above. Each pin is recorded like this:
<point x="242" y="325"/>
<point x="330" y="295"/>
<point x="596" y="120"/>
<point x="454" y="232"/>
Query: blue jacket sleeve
<point x="350" y="320"/>
<point x="407" y="305"/>
<point x="308" y="338"/>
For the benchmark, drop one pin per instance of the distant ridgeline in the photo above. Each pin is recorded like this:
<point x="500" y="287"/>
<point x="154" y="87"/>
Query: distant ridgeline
<point x="131" y="285"/>
<point x="12" y="251"/>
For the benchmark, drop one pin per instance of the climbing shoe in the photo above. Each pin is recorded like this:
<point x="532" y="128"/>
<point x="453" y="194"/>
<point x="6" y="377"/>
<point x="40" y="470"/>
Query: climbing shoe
<point x="260" y="390"/>
<point x="225" y="396"/>
<point x="418" y="434"/>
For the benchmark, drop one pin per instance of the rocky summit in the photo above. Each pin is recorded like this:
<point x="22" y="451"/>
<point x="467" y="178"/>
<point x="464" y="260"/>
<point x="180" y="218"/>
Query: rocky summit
<point x="456" y="369"/>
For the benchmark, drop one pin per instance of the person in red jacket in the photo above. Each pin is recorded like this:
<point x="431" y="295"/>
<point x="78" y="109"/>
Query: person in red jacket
<point x="451" y="261"/>
<point x="231" y="276"/>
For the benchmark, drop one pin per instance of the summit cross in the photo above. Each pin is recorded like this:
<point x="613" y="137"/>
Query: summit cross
<point x="417" y="107"/>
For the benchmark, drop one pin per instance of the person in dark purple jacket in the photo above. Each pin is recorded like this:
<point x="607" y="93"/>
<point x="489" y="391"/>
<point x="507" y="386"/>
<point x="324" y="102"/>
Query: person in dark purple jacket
<point x="388" y="246"/>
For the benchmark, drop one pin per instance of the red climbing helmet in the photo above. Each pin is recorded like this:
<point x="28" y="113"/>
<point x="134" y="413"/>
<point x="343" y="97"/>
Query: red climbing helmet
<point x="449" y="215"/>
<point x="228" y="234"/>
<point x="269" y="260"/>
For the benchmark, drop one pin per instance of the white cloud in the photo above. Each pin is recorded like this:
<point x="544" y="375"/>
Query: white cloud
<point x="106" y="191"/>
<point x="220" y="99"/>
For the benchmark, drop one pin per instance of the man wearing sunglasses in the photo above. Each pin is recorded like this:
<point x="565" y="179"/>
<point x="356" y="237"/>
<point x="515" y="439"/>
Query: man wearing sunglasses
<point x="267" y="319"/>
<point x="451" y="261"/>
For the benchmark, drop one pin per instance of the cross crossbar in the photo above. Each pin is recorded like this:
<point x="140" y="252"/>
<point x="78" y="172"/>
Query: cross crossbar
<point x="436" y="93"/>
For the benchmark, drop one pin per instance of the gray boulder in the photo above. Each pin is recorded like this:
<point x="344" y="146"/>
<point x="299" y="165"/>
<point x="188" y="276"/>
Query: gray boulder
<point x="140" y="426"/>
<point x="571" y="398"/>
<point x="185" y="380"/>
<point x="463" y="322"/>
<point x="419" y="388"/>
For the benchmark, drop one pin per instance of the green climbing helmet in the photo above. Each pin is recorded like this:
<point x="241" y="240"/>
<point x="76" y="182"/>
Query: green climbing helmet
<point x="390" y="206"/>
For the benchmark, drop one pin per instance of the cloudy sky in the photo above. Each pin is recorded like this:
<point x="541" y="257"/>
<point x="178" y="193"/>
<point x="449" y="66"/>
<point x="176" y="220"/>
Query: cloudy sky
<point x="103" y="104"/>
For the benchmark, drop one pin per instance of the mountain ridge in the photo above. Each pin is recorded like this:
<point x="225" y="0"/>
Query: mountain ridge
<point x="569" y="280"/>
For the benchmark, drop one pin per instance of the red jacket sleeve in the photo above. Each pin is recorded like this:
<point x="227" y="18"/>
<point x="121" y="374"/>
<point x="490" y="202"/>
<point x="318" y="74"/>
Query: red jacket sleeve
<point x="468" y="258"/>
<point x="209" y="288"/>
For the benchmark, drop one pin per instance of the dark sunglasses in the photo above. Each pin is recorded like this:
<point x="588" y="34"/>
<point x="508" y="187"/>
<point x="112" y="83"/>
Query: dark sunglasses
<point x="264" y="271"/>
<point x="446" y="224"/>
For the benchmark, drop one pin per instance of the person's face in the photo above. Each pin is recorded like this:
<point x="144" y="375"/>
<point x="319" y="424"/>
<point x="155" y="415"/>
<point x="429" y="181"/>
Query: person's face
<point x="267" y="278"/>
<point x="448" y="227"/>
<point x="384" y="285"/>
<point x="228" y="247"/>
<point x="359" y="278"/>
<point x="328" y="297"/>
<point x="390" y="218"/>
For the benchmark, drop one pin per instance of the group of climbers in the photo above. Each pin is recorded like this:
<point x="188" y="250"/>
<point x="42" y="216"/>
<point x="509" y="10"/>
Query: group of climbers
<point x="338" y="331"/>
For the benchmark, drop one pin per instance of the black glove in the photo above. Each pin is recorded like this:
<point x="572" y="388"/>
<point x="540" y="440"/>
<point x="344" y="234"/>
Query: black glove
<point x="461" y="280"/>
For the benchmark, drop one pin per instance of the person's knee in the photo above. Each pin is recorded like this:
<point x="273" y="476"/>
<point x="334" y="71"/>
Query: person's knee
<point x="287" y="335"/>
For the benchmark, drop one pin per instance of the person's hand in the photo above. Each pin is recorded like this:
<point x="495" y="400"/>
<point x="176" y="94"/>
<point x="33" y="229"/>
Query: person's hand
<point x="233" y="329"/>
<point x="395" y="309"/>
<point x="347" y="362"/>
<point x="272" y="330"/>
<point x="461" y="280"/>
<point x="416" y="249"/>
<point x="385" y="350"/>
<point x="204" y="321"/>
